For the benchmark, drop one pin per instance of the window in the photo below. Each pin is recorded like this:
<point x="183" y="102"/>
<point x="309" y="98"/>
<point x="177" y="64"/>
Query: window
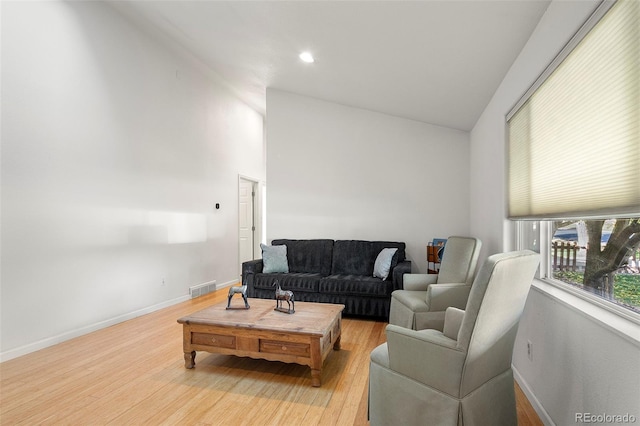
<point x="568" y="246"/>
<point x="574" y="159"/>
<point x="601" y="257"/>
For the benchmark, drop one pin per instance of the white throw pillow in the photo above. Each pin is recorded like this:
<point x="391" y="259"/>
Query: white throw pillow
<point x="274" y="259"/>
<point x="383" y="263"/>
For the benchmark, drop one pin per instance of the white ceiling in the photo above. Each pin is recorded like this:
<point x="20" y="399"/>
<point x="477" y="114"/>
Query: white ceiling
<point x="433" y="61"/>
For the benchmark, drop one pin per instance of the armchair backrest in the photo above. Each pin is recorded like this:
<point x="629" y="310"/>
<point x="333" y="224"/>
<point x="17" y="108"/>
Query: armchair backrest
<point x="492" y="315"/>
<point x="459" y="260"/>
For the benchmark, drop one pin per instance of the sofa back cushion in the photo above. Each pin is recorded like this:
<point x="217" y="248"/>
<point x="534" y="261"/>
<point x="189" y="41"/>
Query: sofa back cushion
<point x="308" y="256"/>
<point x="354" y="257"/>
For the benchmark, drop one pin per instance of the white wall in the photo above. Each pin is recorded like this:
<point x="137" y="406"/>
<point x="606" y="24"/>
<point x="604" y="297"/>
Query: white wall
<point x="580" y="364"/>
<point x="339" y="172"/>
<point x="115" y="150"/>
<point x="584" y="361"/>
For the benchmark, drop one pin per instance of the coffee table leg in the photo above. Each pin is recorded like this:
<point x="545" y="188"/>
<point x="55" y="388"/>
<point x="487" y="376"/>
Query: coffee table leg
<point x="315" y="378"/>
<point x="316" y="362"/>
<point x="336" y="345"/>
<point x="190" y="359"/>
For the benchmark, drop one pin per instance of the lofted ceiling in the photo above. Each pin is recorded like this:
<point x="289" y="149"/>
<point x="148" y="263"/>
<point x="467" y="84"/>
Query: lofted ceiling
<point x="438" y="62"/>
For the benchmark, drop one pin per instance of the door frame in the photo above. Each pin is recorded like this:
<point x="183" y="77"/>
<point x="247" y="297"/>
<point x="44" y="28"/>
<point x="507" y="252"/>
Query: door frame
<point x="258" y="215"/>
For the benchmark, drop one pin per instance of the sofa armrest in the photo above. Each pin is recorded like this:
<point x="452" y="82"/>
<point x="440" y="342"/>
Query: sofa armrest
<point x="249" y="269"/>
<point x="398" y="272"/>
<point x="252" y="266"/>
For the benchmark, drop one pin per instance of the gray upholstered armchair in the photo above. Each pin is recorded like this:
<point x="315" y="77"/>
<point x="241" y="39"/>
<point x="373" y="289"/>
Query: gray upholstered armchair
<point x="461" y="376"/>
<point x="425" y="297"/>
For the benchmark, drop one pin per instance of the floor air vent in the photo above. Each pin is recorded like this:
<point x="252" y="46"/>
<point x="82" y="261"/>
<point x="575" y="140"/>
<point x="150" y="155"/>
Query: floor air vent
<point x="202" y="289"/>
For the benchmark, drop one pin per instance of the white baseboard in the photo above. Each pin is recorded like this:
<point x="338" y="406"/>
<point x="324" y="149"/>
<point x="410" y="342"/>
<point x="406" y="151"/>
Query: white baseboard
<point x="228" y="284"/>
<point x="535" y="403"/>
<point x="50" y="341"/>
<point x="54" y="340"/>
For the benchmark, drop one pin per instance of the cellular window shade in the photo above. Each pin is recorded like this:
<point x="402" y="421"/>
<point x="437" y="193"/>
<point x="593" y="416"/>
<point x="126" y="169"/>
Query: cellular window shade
<point x="574" y="144"/>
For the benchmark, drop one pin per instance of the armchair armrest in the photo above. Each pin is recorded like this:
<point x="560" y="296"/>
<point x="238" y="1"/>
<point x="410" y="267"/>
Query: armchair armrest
<point x="452" y="322"/>
<point x="419" y="282"/>
<point x="398" y="273"/>
<point x="426" y="356"/>
<point x="442" y="296"/>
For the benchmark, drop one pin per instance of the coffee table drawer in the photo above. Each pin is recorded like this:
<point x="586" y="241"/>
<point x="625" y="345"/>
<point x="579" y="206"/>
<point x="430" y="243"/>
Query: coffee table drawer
<point x="215" y="340"/>
<point x="275" y="347"/>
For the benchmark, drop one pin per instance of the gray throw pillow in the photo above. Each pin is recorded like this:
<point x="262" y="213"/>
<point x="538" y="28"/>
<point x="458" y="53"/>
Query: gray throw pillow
<point x="274" y="259"/>
<point x="383" y="263"/>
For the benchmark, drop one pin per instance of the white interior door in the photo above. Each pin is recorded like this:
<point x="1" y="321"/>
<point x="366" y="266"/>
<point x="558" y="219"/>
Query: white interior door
<point x="246" y="220"/>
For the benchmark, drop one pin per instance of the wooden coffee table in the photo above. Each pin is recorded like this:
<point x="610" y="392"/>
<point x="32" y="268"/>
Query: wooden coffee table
<point x="305" y="337"/>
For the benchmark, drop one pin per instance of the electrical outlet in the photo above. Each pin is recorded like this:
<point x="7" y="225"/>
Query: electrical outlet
<point x="530" y="350"/>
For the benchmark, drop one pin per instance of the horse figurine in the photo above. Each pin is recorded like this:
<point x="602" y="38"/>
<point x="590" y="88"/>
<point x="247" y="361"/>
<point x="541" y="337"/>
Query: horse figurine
<point x="287" y="296"/>
<point x="242" y="290"/>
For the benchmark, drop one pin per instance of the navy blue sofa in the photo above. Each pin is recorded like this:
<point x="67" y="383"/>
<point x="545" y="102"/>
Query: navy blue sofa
<point x="329" y="271"/>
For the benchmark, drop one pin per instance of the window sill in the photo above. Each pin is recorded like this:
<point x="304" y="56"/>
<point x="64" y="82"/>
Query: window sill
<point x="625" y="324"/>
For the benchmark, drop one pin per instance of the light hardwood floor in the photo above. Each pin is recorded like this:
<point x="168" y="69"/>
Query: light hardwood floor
<point x="133" y="373"/>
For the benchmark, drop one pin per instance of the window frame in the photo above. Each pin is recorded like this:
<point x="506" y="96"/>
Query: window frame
<point x="542" y="236"/>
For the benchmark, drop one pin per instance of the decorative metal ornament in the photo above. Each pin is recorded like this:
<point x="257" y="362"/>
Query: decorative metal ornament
<point x="242" y="290"/>
<point x="287" y="296"/>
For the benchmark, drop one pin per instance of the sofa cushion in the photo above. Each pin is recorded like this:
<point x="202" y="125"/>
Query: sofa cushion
<point x="353" y="257"/>
<point x="354" y="285"/>
<point x="308" y="256"/>
<point x="294" y="281"/>
<point x="382" y="266"/>
<point x="397" y="258"/>
<point x="274" y="258"/>
<point x="379" y="245"/>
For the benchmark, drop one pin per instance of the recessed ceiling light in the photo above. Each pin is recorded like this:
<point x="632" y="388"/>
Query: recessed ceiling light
<point x="307" y="57"/>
